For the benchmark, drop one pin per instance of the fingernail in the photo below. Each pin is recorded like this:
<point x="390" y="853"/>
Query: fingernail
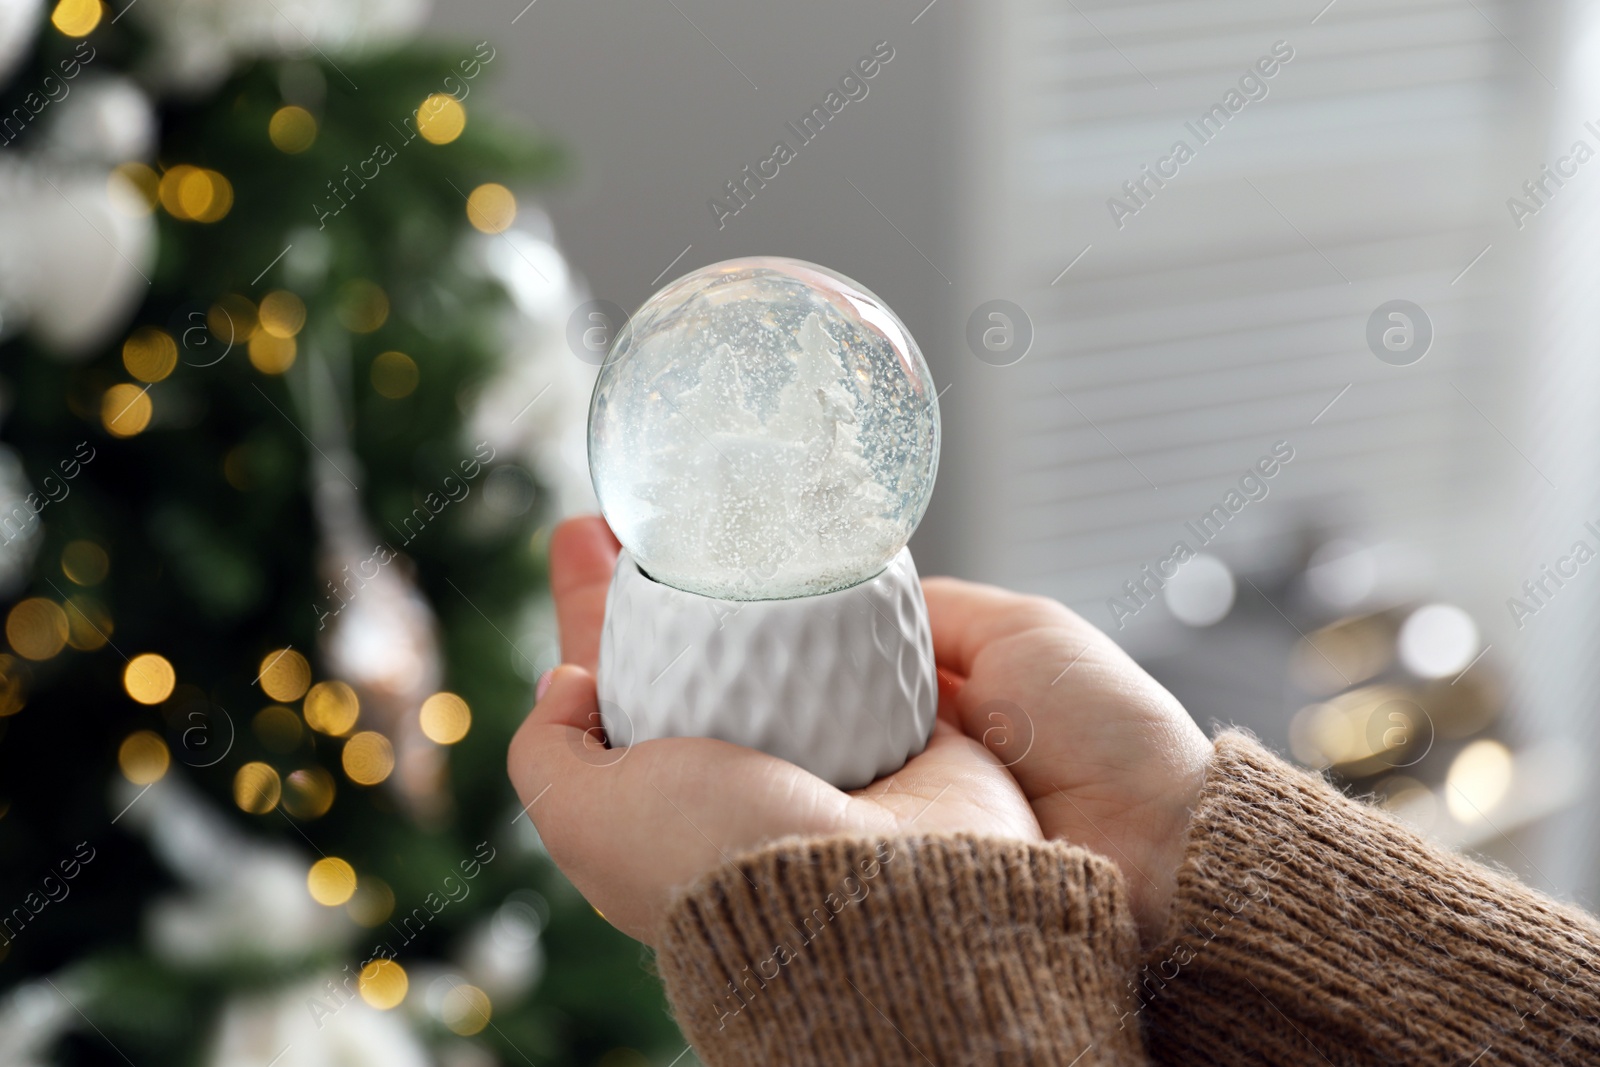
<point x="544" y="684"/>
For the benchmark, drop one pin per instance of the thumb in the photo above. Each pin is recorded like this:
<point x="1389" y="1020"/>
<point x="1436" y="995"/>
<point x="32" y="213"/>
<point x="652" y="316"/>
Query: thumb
<point x="566" y="698"/>
<point x="553" y="743"/>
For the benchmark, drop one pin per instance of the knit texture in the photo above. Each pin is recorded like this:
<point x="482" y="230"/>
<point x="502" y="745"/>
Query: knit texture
<point x="1312" y="929"/>
<point x="922" y="950"/>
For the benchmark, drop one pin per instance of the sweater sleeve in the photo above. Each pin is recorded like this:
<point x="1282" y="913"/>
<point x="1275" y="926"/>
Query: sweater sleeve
<point x="1312" y="929"/>
<point x="923" y="950"/>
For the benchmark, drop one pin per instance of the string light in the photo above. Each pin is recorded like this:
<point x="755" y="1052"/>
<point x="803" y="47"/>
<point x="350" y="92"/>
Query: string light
<point x="125" y="409"/>
<point x="368" y="758"/>
<point x="149" y="678"/>
<point x="308" y="793"/>
<point x="76" y="18"/>
<point x="272" y="355"/>
<point x="332" y="708"/>
<point x="372" y="903"/>
<point x="395" y="375"/>
<point x="143" y="757"/>
<point x="363" y="306"/>
<point x="37" y="628"/>
<point x="383" y="984"/>
<point x="292" y="129"/>
<point x="445" y="718"/>
<point x="285" y="675"/>
<point x="331" y="881"/>
<point x="13" y="694"/>
<point x="150" y="354"/>
<point x="465" y="1009"/>
<point x="88" y="623"/>
<point x="491" y="208"/>
<point x="232" y="319"/>
<point x="441" y="118"/>
<point x="144" y="183"/>
<point x="278" y="728"/>
<point x="85" y="563"/>
<point x="256" y="788"/>
<point x="282" y="314"/>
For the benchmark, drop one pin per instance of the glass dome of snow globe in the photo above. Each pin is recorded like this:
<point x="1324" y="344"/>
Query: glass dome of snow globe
<point x="762" y="429"/>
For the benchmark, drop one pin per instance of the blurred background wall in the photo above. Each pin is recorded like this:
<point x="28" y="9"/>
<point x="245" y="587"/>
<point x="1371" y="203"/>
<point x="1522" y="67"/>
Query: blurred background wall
<point x="1148" y="356"/>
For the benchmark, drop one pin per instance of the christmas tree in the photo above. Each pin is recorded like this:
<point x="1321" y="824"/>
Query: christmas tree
<point x="270" y="542"/>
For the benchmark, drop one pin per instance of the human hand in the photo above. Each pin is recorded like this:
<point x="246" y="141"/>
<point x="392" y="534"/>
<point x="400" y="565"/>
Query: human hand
<point x="631" y="826"/>
<point x="1108" y="758"/>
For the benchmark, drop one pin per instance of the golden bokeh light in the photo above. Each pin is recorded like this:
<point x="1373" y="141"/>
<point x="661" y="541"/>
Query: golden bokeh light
<point x="149" y="678"/>
<point x="76" y="18"/>
<point x="465" y="1009"/>
<point x="368" y="758"/>
<point x="256" y="788"/>
<point x="363" y="306"/>
<point x="282" y="314"/>
<point x="205" y="195"/>
<point x="491" y="208"/>
<point x="37" y="628"/>
<point x="372" y="903"/>
<point x="232" y="319"/>
<point x="331" y="881"/>
<point x="441" y="119"/>
<point x="278" y="728"/>
<point x="167" y="189"/>
<point x="395" y="375"/>
<point x="150" y="354"/>
<point x="285" y="675"/>
<point x="383" y="984"/>
<point x="85" y="563"/>
<point x="308" y="793"/>
<point x="332" y="708"/>
<point x="144" y="183"/>
<point x="125" y="409"/>
<point x="143" y="757"/>
<point x="1478" y="780"/>
<point x="88" y="623"/>
<point x="13" y="685"/>
<point x="272" y="355"/>
<point x="292" y="129"/>
<point x="445" y="718"/>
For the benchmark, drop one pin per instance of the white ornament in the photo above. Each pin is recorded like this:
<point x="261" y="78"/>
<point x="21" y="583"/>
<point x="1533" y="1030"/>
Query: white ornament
<point x="764" y="428"/>
<point x="19" y="21"/>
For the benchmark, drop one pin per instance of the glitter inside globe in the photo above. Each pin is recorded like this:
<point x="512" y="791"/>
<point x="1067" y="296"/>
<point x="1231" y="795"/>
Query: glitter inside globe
<point x="763" y="428"/>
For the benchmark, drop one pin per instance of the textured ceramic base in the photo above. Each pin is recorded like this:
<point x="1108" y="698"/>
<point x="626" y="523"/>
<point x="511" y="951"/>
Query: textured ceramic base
<point x="841" y="684"/>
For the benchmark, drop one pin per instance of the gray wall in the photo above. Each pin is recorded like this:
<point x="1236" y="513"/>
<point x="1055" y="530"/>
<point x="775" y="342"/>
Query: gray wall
<point x="656" y="121"/>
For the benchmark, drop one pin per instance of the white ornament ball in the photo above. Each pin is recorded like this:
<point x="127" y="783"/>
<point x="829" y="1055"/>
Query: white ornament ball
<point x="763" y="428"/>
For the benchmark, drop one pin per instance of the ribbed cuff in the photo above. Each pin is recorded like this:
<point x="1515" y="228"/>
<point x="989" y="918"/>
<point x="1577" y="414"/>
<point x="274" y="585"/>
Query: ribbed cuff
<point x="928" y="950"/>
<point x="1309" y="928"/>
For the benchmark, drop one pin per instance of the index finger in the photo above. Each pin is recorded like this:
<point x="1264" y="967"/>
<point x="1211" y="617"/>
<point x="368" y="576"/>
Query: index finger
<point x="583" y="555"/>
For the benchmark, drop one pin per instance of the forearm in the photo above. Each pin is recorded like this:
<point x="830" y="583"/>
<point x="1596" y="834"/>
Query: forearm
<point x="909" y="950"/>
<point x="1309" y="928"/>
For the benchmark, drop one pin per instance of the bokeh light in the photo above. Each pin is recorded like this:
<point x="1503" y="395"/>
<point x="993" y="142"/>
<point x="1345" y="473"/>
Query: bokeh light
<point x="195" y="194"/>
<point x="143" y="757"/>
<point x="331" y="881"/>
<point x="368" y="758"/>
<point x="76" y="18"/>
<point x="134" y="188"/>
<point x="125" y="409"/>
<point x="445" y="718"/>
<point x="13" y="685"/>
<point x="256" y="788"/>
<point x="372" y="903"/>
<point x="278" y="728"/>
<point x="395" y="375"/>
<point x="85" y="563"/>
<point x="88" y="623"/>
<point x="363" y="306"/>
<point x="37" y="628"/>
<point x="1478" y="780"/>
<point x="332" y="708"/>
<point x="292" y="129"/>
<point x="285" y="675"/>
<point x="272" y="355"/>
<point x="232" y="319"/>
<point x="465" y="1009"/>
<point x="150" y="354"/>
<point x="282" y="314"/>
<point x="149" y="678"/>
<point x="441" y="119"/>
<point x="1438" y="640"/>
<point x="383" y="984"/>
<point x="308" y="793"/>
<point x="491" y="208"/>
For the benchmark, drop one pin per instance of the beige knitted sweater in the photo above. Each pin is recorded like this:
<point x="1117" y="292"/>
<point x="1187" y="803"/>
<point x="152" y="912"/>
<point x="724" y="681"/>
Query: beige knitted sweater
<point x="1308" y="929"/>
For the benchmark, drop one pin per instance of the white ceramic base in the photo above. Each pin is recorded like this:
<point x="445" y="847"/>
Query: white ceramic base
<point x="841" y="684"/>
